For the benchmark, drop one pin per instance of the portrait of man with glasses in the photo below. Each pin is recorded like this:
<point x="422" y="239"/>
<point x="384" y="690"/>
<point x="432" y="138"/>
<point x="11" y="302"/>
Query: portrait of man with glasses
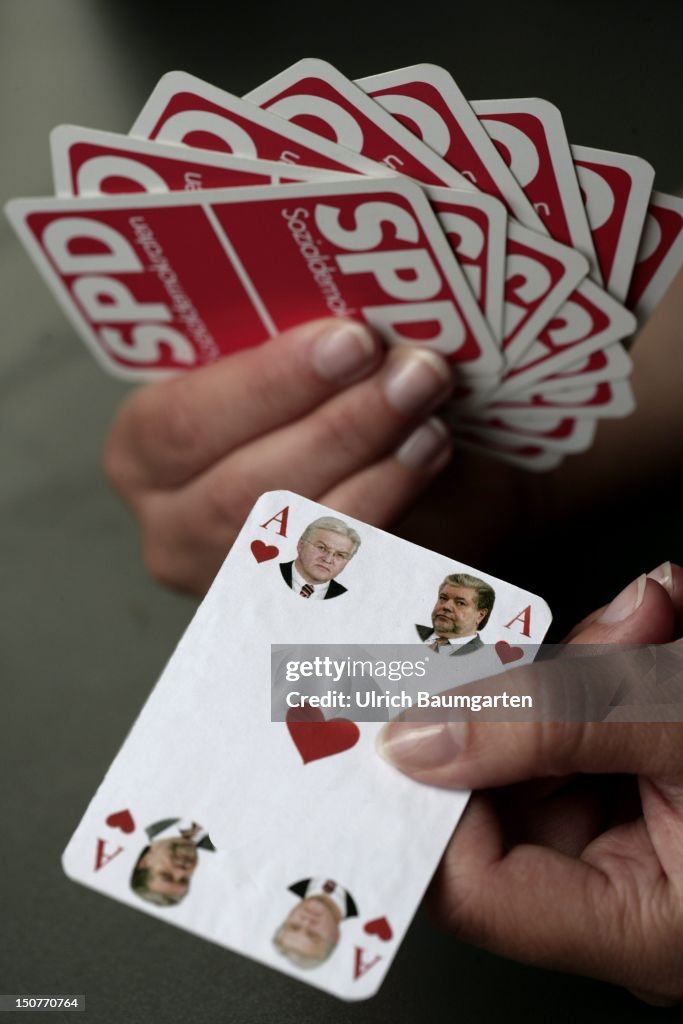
<point x="324" y="549"/>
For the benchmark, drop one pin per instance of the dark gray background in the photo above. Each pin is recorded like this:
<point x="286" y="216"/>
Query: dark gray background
<point x="84" y="631"/>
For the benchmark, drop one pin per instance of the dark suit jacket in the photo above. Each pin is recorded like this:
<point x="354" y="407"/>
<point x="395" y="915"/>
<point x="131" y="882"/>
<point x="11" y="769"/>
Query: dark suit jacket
<point x="334" y="589"/>
<point x="475" y="643"/>
<point x="300" y="889"/>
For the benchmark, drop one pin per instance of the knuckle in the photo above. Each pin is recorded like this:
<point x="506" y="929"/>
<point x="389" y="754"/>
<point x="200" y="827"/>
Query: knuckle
<point x="170" y="565"/>
<point x="177" y="427"/>
<point x="162" y="547"/>
<point x="116" y="464"/>
<point x="164" y="425"/>
<point x="159" y="563"/>
<point x="557" y="746"/>
<point x="273" y="379"/>
<point x="118" y="454"/>
<point x="342" y="431"/>
<point x="454" y="909"/>
<point x="178" y="551"/>
<point x="226" y="498"/>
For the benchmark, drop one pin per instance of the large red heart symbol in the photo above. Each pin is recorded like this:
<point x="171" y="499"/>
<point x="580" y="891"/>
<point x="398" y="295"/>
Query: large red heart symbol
<point x="506" y="653"/>
<point x="122" y="820"/>
<point x="315" y="737"/>
<point x="379" y="927"/>
<point x="263" y="552"/>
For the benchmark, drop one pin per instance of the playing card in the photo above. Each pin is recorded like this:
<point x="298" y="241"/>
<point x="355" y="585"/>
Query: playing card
<point x="540" y="275"/>
<point x="157" y="283"/>
<point x="660" y="255"/>
<point x="616" y="188"/>
<point x="588" y="321"/>
<point x="221" y="221"/>
<point x="610" y="364"/>
<point x="427" y="101"/>
<point x="531" y="138"/>
<point x="315" y="94"/>
<point x="475" y="226"/>
<point x="609" y="400"/>
<point x="291" y="841"/>
<point x="529" y="456"/>
<point x="185" y="110"/>
<point x="86" y="162"/>
<point x="563" y="434"/>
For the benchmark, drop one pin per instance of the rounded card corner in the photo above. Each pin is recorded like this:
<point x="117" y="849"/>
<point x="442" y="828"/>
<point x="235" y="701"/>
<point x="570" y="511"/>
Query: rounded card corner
<point x="68" y="870"/>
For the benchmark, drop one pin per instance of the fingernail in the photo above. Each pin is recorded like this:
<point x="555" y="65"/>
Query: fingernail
<point x="341" y="353"/>
<point x="625" y="603"/>
<point x="425" y="445"/>
<point x="664" y="576"/>
<point x="419" y="748"/>
<point x="415" y="380"/>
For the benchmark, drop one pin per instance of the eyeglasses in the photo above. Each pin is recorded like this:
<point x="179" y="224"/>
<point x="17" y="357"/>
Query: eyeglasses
<point x="335" y="556"/>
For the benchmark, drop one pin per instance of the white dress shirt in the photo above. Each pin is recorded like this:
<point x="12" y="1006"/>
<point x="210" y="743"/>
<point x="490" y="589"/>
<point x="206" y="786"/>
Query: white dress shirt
<point x="454" y="641"/>
<point x="319" y="589"/>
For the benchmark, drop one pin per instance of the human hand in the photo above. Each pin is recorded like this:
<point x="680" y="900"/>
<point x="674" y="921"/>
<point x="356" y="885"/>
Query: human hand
<point x="572" y="856"/>
<point x="321" y="410"/>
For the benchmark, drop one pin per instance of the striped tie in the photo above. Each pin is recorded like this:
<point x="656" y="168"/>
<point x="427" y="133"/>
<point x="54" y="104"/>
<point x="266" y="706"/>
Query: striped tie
<point x="306" y="590"/>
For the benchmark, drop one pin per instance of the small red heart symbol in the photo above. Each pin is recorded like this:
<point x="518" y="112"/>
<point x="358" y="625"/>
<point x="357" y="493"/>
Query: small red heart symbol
<point x="263" y="552"/>
<point x="122" y="820"/>
<point x="506" y="653"/>
<point x="315" y="737"/>
<point x="379" y="927"/>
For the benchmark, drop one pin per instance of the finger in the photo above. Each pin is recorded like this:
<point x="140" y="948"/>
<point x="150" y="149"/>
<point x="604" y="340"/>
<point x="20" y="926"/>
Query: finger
<point x="669" y="576"/>
<point x="476" y="755"/>
<point x="178" y="553"/>
<point x="532" y="904"/>
<point x="168" y="432"/>
<point x="379" y="493"/>
<point x="662" y="805"/>
<point x="469" y="755"/>
<point x="182" y="549"/>
<point x="346" y="433"/>
<point x="565" y="818"/>
<point x="642" y="613"/>
<point x="310" y="457"/>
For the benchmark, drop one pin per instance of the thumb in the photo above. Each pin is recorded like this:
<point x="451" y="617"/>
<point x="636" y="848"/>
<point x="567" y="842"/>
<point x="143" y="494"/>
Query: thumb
<point x="475" y="755"/>
<point x="639" y="614"/>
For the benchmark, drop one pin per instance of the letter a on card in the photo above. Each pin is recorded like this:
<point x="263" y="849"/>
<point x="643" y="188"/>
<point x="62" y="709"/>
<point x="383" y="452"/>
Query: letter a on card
<point x="281" y="518"/>
<point x="525" y="618"/>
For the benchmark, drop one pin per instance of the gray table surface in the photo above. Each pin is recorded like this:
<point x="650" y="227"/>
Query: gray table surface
<point x="84" y="632"/>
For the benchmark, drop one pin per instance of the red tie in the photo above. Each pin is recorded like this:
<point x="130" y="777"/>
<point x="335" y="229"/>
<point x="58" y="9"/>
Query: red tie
<point x="306" y="590"/>
<point x="438" y="643"/>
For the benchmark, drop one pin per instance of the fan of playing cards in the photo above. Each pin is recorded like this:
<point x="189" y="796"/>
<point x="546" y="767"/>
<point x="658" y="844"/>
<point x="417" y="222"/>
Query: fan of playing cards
<point x="473" y="229"/>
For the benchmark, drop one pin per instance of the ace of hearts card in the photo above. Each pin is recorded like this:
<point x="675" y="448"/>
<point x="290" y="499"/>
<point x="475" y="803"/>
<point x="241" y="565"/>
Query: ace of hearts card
<point x="308" y="853"/>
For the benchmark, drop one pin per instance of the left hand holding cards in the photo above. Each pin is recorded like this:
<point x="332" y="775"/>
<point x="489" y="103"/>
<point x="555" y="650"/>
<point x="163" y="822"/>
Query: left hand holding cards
<point x="318" y="409"/>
